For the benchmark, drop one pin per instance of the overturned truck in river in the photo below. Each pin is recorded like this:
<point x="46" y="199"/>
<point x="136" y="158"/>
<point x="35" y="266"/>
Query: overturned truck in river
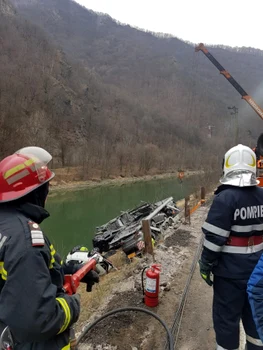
<point x="125" y="231"/>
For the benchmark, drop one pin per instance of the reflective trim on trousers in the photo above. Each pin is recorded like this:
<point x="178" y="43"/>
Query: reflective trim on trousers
<point x="254" y="341"/>
<point x="218" y="347"/>
<point x="243" y="250"/>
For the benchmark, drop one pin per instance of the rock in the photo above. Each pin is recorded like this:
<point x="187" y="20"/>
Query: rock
<point x="54" y="183"/>
<point x="163" y="284"/>
<point x="137" y="285"/>
<point x="148" y="258"/>
<point x="170" y="221"/>
<point x="167" y="287"/>
<point x="162" y="247"/>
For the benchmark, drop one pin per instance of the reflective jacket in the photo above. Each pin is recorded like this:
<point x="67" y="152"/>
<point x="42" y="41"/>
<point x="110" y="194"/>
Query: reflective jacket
<point x="255" y="295"/>
<point x="32" y="302"/>
<point x="236" y="212"/>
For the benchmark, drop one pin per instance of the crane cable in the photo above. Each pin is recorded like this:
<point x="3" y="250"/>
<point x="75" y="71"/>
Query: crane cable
<point x="192" y="91"/>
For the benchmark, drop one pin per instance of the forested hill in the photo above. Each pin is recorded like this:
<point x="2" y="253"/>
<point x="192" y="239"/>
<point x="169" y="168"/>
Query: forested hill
<point x="133" y="101"/>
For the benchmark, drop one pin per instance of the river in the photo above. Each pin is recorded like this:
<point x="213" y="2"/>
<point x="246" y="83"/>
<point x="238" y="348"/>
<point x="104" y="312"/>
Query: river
<point x="75" y="214"/>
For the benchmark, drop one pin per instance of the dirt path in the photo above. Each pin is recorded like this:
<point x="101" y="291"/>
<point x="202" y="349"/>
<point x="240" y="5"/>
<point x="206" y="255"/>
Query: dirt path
<point x="196" y="331"/>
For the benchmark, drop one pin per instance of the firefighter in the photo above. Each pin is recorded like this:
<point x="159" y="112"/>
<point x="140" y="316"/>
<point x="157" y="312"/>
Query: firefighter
<point x="232" y="247"/>
<point x="32" y="302"/>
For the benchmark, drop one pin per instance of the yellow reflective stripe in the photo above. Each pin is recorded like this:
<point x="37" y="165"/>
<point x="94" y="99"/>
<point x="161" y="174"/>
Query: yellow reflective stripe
<point x="66" y="310"/>
<point x="30" y="161"/>
<point x="51" y="263"/>
<point x="3" y="272"/>
<point x="204" y="276"/>
<point x="14" y="170"/>
<point x="19" y="167"/>
<point x="52" y="250"/>
<point x="67" y="347"/>
<point x="61" y="262"/>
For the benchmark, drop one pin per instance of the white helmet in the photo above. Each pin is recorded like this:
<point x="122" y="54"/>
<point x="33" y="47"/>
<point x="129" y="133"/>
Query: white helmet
<point x="240" y="167"/>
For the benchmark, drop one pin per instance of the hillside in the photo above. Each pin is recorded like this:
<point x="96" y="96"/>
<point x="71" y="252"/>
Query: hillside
<point x="41" y="91"/>
<point x="141" y="102"/>
<point x="157" y="68"/>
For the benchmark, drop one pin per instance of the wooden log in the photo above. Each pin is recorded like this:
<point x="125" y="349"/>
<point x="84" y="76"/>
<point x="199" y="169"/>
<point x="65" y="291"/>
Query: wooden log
<point x="146" y="229"/>
<point x="187" y="210"/>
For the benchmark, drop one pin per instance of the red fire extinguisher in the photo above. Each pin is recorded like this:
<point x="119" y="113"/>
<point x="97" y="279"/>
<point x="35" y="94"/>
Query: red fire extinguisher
<point x="151" y="290"/>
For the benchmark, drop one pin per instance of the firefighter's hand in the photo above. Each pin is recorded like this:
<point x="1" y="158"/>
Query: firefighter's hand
<point x="206" y="271"/>
<point x="90" y="279"/>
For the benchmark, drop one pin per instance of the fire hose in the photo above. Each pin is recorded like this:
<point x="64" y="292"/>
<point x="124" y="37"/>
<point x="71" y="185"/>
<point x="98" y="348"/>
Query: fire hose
<point x="138" y="309"/>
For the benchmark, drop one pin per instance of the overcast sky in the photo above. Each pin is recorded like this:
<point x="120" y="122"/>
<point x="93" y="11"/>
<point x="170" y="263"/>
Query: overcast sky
<point x="228" y="22"/>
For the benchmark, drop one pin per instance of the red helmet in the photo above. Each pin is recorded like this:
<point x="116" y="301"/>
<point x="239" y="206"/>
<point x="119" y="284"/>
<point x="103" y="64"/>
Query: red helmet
<point x="23" y="172"/>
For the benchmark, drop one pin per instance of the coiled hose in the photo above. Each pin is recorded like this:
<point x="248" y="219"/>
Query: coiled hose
<point x="137" y="309"/>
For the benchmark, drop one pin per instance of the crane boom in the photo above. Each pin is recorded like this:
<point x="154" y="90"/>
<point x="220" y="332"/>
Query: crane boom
<point x="232" y="81"/>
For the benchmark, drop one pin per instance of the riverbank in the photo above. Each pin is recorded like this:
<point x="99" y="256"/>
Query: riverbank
<point x="71" y="184"/>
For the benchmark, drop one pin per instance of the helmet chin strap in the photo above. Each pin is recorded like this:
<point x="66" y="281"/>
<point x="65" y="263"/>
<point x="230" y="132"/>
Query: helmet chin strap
<point x="38" y="196"/>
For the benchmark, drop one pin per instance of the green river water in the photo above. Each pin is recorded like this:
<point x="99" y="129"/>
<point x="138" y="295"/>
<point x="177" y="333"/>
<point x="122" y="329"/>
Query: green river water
<point x="75" y="214"/>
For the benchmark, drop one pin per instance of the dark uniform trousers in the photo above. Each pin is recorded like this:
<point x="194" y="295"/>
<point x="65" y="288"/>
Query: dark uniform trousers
<point x="227" y="316"/>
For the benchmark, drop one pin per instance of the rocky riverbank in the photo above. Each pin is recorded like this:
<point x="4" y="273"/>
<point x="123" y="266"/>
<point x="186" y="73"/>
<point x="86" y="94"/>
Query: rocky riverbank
<point x="65" y="182"/>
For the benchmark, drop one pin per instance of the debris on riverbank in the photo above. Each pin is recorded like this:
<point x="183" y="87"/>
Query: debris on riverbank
<point x="125" y="231"/>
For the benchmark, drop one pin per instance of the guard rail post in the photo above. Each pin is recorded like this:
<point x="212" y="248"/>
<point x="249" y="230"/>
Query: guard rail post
<point x="187" y="210"/>
<point x="146" y="229"/>
<point x="202" y="195"/>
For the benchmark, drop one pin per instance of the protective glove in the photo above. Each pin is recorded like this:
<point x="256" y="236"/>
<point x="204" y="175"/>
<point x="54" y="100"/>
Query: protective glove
<point x="206" y="271"/>
<point x="73" y="302"/>
<point x="90" y="279"/>
<point x="76" y="302"/>
<point x="76" y="298"/>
